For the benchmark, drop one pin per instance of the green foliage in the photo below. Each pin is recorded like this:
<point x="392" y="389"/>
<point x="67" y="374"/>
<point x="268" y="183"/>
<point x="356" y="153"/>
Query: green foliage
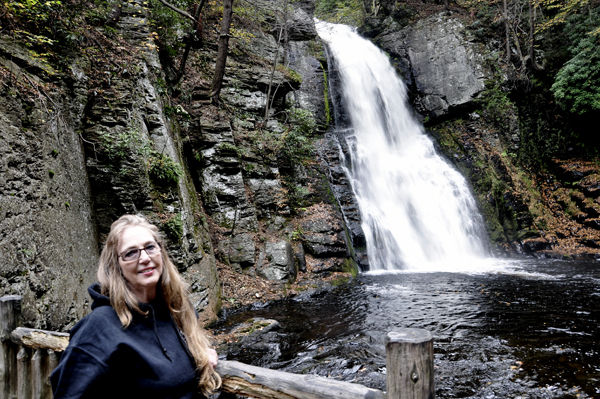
<point x="46" y="27"/>
<point x="577" y="85"/>
<point x="302" y="121"/>
<point x="168" y="24"/>
<point x="297" y="234"/>
<point x="559" y="11"/>
<point x="122" y="144"/>
<point x="228" y="147"/>
<point x="350" y="266"/>
<point x="35" y="12"/>
<point x="131" y="143"/>
<point x="163" y="169"/>
<point x="295" y="194"/>
<point x="174" y="228"/>
<point x="326" y="99"/>
<point x="97" y="12"/>
<point x="296" y="143"/>
<point x="291" y="75"/>
<point x="176" y="111"/>
<point x="350" y="12"/>
<point x="495" y="102"/>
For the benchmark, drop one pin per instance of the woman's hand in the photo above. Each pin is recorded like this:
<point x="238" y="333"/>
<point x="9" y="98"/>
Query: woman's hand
<point x="213" y="358"/>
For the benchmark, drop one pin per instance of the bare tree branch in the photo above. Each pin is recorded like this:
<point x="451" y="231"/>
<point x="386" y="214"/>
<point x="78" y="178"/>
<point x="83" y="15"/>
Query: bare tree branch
<point x="177" y="10"/>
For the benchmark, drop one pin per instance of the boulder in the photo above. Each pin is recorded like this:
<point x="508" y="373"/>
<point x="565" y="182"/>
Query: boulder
<point x="265" y="193"/>
<point x="535" y="244"/>
<point x="300" y="21"/>
<point x="300" y="258"/>
<point x="238" y="251"/>
<point x="276" y="263"/>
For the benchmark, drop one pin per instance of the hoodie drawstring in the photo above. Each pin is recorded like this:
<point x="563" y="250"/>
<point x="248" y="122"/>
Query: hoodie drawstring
<point x="157" y="336"/>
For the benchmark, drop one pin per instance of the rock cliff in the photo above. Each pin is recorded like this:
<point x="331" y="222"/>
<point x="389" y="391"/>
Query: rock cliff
<point x="98" y="130"/>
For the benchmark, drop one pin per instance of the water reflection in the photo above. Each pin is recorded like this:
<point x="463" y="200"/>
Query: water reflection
<point x="528" y="329"/>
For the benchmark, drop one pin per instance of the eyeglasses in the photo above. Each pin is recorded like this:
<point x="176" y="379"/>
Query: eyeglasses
<point x="134" y="253"/>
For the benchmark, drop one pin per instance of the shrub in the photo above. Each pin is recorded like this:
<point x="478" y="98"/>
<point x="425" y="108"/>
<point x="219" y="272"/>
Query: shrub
<point x="163" y="169"/>
<point x="174" y="228"/>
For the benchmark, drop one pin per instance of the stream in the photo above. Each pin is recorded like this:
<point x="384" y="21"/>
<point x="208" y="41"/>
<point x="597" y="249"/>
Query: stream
<point x="523" y="328"/>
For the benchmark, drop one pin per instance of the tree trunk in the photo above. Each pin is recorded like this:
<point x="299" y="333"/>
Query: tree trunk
<point x="532" y="21"/>
<point x="190" y="39"/>
<point x="222" y="52"/>
<point x="518" y="47"/>
<point x="272" y="75"/>
<point x="507" y="28"/>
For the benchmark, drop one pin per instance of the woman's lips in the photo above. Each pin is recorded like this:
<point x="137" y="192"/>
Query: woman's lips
<point x="147" y="271"/>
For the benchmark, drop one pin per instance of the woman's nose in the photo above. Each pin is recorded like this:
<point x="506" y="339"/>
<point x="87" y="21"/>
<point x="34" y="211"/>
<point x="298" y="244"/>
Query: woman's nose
<point x="144" y="257"/>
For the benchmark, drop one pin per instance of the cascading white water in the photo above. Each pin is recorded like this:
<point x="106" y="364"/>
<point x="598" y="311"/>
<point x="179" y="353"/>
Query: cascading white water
<point x="417" y="211"/>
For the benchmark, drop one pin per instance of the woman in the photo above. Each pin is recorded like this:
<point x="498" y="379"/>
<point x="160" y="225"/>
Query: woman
<point x="142" y="338"/>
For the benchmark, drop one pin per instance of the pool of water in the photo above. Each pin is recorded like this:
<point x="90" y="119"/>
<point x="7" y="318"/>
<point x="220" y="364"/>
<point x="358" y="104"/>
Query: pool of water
<point x="513" y="329"/>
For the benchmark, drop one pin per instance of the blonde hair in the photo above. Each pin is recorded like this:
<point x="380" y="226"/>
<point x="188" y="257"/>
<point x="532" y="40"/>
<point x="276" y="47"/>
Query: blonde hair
<point x="172" y="288"/>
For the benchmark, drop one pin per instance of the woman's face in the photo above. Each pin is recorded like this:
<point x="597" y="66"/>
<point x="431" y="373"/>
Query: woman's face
<point x="144" y="273"/>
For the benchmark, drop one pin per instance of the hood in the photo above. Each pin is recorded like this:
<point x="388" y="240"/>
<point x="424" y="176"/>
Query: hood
<point x="97" y="298"/>
<point x="149" y="309"/>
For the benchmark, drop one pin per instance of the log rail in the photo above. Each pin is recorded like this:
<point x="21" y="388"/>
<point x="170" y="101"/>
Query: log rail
<point x="28" y="356"/>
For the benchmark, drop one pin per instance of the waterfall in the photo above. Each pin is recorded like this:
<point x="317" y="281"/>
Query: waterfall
<point x="417" y="210"/>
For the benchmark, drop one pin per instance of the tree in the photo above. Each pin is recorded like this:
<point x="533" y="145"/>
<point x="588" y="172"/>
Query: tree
<point x="532" y="22"/>
<point x="222" y="52"/>
<point x="507" y="30"/>
<point x="576" y="86"/>
<point x="282" y="30"/>
<point x="195" y="28"/>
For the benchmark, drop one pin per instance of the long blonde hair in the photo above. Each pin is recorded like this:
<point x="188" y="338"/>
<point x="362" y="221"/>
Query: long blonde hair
<point x="172" y="288"/>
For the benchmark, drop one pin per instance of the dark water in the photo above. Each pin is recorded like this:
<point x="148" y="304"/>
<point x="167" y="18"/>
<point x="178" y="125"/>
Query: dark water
<point x="523" y="329"/>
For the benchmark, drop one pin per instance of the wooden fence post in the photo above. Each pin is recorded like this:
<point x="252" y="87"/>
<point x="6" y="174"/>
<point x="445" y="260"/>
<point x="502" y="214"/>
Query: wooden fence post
<point x="10" y="318"/>
<point x="24" y="373"/>
<point x="40" y="373"/>
<point x="409" y="364"/>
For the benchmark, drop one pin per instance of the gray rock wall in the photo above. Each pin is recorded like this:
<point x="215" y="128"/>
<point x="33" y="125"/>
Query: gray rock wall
<point x="439" y="61"/>
<point x="74" y="160"/>
<point x="48" y="238"/>
<point x="77" y="154"/>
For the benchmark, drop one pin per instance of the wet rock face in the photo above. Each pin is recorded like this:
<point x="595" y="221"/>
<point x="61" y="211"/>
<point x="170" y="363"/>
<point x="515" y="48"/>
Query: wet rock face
<point x="130" y="143"/>
<point x="440" y="64"/>
<point x="302" y="24"/>
<point x="323" y="240"/>
<point x="333" y="162"/>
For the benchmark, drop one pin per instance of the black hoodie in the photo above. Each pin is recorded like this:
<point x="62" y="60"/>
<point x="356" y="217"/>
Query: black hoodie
<point x="149" y="359"/>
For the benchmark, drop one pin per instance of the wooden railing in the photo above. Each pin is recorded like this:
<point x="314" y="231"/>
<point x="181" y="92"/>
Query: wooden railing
<point x="28" y="356"/>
